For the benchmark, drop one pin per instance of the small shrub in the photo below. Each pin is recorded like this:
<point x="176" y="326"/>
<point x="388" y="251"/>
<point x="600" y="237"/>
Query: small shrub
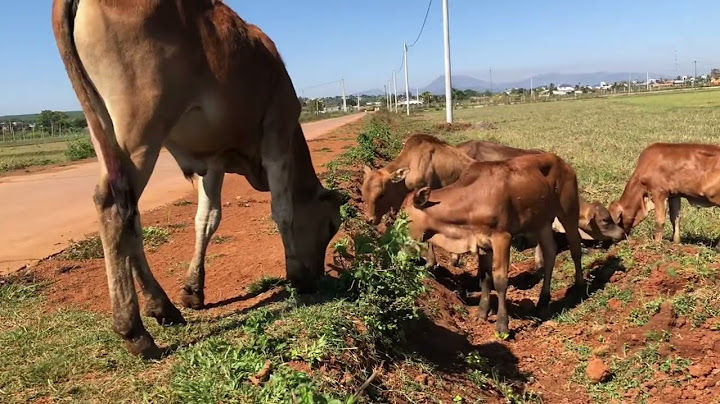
<point x="385" y="276"/>
<point x="80" y="148"/>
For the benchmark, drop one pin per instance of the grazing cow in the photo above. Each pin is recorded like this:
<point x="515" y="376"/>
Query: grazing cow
<point x="666" y="172"/>
<point x="490" y="204"/>
<point x="194" y="77"/>
<point x="428" y="161"/>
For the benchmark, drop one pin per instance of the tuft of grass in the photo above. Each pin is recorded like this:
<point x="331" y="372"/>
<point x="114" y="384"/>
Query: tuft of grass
<point x="83" y="250"/>
<point x="183" y="202"/>
<point x="221" y="239"/>
<point x="264" y="284"/>
<point x="641" y="315"/>
<point x="91" y="247"/>
<point x="154" y="237"/>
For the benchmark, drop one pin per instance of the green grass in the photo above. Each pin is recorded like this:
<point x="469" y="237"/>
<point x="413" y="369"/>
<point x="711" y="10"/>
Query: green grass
<point x="37" y="152"/>
<point x="360" y="320"/>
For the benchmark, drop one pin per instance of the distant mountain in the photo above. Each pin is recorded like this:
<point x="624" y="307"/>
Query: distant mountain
<point x="462" y="82"/>
<point x="437" y="86"/>
<point x="373" y="92"/>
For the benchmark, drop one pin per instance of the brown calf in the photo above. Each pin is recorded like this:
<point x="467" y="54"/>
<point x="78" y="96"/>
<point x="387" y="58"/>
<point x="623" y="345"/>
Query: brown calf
<point x="666" y="172"/>
<point x="428" y="161"/>
<point x="492" y="202"/>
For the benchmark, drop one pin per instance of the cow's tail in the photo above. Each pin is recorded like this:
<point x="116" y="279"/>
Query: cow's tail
<point x="99" y="122"/>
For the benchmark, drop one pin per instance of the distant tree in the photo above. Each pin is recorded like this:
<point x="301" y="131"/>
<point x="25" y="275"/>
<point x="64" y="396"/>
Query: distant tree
<point x="458" y="95"/>
<point x="52" y="121"/>
<point x="553" y="87"/>
<point x="471" y="93"/>
<point x="487" y="93"/>
<point x="78" y="123"/>
<point x="427" y="97"/>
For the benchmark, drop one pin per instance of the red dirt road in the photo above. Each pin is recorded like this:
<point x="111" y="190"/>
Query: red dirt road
<point x="43" y="211"/>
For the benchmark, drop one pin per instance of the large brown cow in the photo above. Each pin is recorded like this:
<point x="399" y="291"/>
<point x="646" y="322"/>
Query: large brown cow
<point x="194" y="77"/>
<point x="428" y="161"/>
<point x="666" y="172"/>
<point x="490" y="204"/>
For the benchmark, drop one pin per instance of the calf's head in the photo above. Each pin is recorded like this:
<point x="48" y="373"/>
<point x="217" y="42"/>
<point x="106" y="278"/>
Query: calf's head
<point x="315" y="221"/>
<point x="414" y="206"/>
<point x="383" y="191"/>
<point x="596" y="221"/>
<point x="629" y="216"/>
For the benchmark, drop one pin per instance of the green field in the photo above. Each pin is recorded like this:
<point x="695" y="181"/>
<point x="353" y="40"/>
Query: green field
<point x="601" y="138"/>
<point x="72" y="355"/>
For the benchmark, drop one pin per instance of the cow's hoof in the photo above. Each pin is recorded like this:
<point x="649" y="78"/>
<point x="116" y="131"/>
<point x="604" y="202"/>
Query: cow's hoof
<point x="165" y="313"/>
<point x="192" y="299"/>
<point x="483" y="310"/>
<point x="144" y="347"/>
<point x="543" y="302"/>
<point x="304" y="287"/>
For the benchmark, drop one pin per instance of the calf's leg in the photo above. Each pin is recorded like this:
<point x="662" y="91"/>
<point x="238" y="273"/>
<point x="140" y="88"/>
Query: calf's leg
<point x="207" y="220"/>
<point x="570" y="223"/>
<point x="659" y="201"/>
<point x="431" y="259"/>
<point x="674" y="207"/>
<point x="500" y="266"/>
<point x="485" y="267"/>
<point x="548" y="248"/>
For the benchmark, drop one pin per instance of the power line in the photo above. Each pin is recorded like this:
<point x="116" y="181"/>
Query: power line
<point x="423" y="25"/>
<point x="320" y="85"/>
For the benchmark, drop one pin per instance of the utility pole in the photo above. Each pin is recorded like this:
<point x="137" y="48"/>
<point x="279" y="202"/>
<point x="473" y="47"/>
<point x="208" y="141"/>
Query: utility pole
<point x="407" y="84"/>
<point x="417" y="94"/>
<point x="387" y="99"/>
<point x="531" y="87"/>
<point x="342" y="83"/>
<point x="695" y="76"/>
<point x="629" y="82"/>
<point x="358" y="103"/>
<point x="448" y="77"/>
<point x="395" y="89"/>
<point x="677" y="72"/>
<point x="647" y="81"/>
<point x="491" y="83"/>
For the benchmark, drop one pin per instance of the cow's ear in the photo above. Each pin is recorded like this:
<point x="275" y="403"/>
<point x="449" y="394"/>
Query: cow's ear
<point x="421" y="197"/>
<point x="366" y="170"/>
<point x="399" y="175"/>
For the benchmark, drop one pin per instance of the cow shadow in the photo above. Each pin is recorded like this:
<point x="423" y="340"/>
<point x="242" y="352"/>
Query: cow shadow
<point x="699" y="240"/>
<point x="451" y="352"/>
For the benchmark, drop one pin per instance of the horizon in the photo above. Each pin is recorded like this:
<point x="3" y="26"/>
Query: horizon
<point x="363" y="43"/>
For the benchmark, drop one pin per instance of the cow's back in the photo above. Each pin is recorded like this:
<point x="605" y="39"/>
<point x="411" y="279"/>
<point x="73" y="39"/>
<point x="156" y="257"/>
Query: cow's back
<point x="492" y="151"/>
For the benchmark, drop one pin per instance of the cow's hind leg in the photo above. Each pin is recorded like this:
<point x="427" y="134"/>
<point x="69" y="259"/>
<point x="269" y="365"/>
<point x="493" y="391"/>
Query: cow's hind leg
<point x="207" y="220"/>
<point x="674" y="206"/>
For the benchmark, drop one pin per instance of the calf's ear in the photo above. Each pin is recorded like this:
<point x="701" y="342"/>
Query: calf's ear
<point x="366" y="170"/>
<point x="421" y="197"/>
<point x="399" y="175"/>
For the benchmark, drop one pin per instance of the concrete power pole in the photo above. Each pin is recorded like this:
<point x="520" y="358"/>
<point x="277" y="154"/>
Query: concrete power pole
<point x="695" y="76"/>
<point x="407" y="88"/>
<point x="647" y="80"/>
<point x="395" y="89"/>
<point x="448" y="78"/>
<point x="358" y="103"/>
<point x="342" y="83"/>
<point x="387" y="98"/>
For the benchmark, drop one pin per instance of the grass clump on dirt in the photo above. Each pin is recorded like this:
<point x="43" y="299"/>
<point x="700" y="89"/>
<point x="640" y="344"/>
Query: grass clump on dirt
<point x="91" y="247"/>
<point x="263" y="285"/>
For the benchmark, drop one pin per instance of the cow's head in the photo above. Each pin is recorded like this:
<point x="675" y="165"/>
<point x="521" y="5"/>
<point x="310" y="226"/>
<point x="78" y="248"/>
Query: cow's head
<point x="315" y="221"/>
<point x="597" y="222"/>
<point x="383" y="191"/>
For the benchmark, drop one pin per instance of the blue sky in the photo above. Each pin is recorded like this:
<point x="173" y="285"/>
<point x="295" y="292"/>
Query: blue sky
<point x="322" y="41"/>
